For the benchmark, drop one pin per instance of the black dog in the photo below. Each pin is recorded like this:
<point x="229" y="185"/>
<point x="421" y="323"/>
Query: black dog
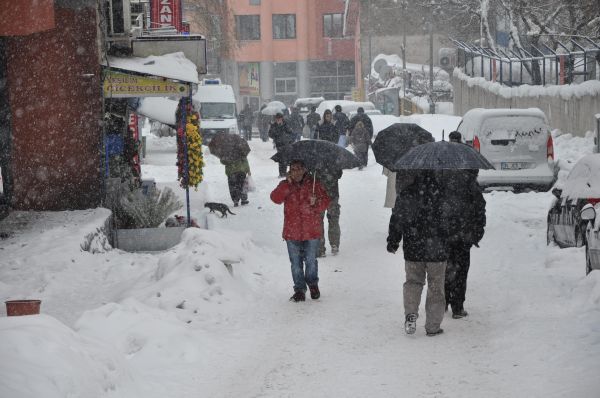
<point x="220" y="207"/>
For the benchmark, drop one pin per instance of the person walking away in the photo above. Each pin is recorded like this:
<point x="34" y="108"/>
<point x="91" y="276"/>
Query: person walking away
<point x="237" y="171"/>
<point x="361" y="116"/>
<point x="312" y="120"/>
<point x="304" y="199"/>
<point x="417" y="218"/>
<point x="296" y="123"/>
<point x="282" y="136"/>
<point x="247" y="121"/>
<point x="341" y="123"/>
<point x="466" y="215"/>
<point x="264" y="122"/>
<point x="360" y="140"/>
<point x="326" y="130"/>
<point x="330" y="180"/>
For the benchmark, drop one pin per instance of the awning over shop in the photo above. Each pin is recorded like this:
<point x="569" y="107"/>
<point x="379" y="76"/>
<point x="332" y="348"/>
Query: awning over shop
<point x="159" y="109"/>
<point x="171" y="66"/>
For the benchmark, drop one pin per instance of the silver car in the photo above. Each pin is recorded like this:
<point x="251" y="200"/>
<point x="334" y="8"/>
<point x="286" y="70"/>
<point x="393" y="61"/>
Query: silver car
<point x="516" y="141"/>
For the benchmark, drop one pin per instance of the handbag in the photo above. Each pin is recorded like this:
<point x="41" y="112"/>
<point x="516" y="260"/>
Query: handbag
<point x="249" y="185"/>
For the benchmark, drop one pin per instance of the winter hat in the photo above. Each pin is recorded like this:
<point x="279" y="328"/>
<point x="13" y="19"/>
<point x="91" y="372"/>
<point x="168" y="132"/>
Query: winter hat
<point x="279" y="115"/>
<point x="360" y="110"/>
<point x="338" y="108"/>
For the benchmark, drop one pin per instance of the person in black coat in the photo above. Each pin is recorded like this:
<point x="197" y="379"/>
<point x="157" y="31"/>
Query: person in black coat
<point x="418" y="219"/>
<point x="247" y="119"/>
<point x="282" y="136"/>
<point x="312" y="120"/>
<point x="341" y="123"/>
<point x="466" y="216"/>
<point x="296" y="123"/>
<point x="264" y="122"/>
<point x="361" y="116"/>
<point x="327" y="130"/>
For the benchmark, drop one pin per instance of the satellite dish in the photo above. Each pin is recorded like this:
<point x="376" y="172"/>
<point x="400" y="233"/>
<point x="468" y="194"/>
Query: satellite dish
<point x="377" y="65"/>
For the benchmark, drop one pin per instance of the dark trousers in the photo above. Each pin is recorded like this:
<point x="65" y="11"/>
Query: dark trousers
<point x="248" y="132"/>
<point x="362" y="155"/>
<point x="282" y="165"/>
<point x="459" y="260"/>
<point x="236" y="186"/>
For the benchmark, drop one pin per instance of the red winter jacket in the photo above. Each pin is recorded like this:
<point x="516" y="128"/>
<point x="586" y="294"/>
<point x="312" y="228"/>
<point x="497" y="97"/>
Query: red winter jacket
<point x="301" y="221"/>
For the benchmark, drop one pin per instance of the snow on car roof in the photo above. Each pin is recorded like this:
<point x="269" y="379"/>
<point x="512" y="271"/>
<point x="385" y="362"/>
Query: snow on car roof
<point x="584" y="179"/>
<point x="308" y="101"/>
<point x="214" y="93"/>
<point x="347" y="106"/>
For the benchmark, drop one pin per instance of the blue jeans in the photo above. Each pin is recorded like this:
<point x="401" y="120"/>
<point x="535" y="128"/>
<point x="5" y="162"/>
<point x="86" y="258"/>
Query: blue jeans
<point x="304" y="253"/>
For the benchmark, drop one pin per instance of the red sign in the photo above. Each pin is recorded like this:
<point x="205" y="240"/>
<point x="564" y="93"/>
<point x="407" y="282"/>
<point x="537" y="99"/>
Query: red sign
<point x="165" y="13"/>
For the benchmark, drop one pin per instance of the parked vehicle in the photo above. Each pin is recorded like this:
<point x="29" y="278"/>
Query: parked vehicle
<point x="369" y="112"/>
<point x="217" y="106"/>
<point x="592" y="234"/>
<point x="582" y="187"/>
<point x="347" y="106"/>
<point x="517" y="142"/>
<point x="304" y="105"/>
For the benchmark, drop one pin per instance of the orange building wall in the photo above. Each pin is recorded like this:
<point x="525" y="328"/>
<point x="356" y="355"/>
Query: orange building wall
<point x="56" y="107"/>
<point x="309" y="43"/>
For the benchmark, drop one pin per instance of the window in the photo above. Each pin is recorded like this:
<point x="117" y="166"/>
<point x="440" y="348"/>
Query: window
<point x="285" y="85"/>
<point x="331" y="79"/>
<point x="332" y="25"/>
<point x="254" y="2"/>
<point x="284" y="26"/>
<point x="247" y="27"/>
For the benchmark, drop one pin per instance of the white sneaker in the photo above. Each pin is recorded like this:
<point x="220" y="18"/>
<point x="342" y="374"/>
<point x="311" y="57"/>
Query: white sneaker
<point x="334" y="250"/>
<point x="410" y="324"/>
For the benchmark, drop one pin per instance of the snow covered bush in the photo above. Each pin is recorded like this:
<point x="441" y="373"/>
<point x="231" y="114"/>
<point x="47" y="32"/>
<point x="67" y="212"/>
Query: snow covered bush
<point x="151" y="209"/>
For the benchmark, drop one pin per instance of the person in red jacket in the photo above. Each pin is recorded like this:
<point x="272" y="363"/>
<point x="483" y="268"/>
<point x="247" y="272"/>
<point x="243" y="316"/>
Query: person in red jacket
<point x="304" y="201"/>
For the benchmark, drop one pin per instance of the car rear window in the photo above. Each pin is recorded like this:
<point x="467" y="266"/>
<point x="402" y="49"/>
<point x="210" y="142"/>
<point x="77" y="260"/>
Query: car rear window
<point x="520" y="130"/>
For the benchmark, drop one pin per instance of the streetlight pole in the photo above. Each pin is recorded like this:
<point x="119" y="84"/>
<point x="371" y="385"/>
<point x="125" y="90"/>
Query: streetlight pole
<point x="431" y="103"/>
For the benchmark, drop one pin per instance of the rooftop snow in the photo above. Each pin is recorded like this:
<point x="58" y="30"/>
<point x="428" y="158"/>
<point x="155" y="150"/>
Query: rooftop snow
<point x="172" y="66"/>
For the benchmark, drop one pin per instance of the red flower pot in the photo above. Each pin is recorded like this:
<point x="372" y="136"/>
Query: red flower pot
<point x="22" y="307"/>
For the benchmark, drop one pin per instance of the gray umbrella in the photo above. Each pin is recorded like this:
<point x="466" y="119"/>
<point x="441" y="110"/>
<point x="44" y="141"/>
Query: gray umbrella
<point x="442" y="155"/>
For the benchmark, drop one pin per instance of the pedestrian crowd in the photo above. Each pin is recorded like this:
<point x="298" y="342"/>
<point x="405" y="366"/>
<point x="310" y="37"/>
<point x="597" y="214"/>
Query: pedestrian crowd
<point x="437" y="215"/>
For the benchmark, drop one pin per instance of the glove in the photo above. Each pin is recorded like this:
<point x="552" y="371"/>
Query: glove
<point x="392" y="247"/>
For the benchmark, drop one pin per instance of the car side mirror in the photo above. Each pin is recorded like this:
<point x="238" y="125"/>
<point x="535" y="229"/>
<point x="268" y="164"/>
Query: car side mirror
<point x="588" y="213"/>
<point x="557" y="192"/>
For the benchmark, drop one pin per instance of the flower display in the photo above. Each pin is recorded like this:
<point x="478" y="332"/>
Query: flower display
<point x="194" y="152"/>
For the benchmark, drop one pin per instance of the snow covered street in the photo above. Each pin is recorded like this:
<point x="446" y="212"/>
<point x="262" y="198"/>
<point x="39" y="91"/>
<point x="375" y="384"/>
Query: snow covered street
<point x="178" y="324"/>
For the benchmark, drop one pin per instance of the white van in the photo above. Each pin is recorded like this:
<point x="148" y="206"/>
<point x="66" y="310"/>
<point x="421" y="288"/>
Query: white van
<point x="217" y="107"/>
<point x="516" y="141"/>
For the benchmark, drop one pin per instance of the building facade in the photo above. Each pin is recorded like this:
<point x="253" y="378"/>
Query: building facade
<point x="288" y="49"/>
<point x="50" y="105"/>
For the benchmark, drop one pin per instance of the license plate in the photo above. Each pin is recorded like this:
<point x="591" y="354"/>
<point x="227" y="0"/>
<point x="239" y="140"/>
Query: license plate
<point x="514" y="165"/>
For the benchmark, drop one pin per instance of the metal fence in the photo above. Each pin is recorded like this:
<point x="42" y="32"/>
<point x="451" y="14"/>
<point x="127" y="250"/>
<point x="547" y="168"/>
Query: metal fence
<point x="552" y="61"/>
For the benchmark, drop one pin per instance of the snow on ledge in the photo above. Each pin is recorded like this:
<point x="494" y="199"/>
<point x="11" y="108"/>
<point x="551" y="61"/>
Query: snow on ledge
<point x="172" y="66"/>
<point x="591" y="88"/>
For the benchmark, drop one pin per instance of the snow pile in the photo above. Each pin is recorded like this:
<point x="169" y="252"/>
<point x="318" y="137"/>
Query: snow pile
<point x="590" y="87"/>
<point x="41" y="357"/>
<point x="568" y="150"/>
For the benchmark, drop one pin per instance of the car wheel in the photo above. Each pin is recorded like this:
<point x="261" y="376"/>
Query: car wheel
<point x="588" y="260"/>
<point x="550" y="234"/>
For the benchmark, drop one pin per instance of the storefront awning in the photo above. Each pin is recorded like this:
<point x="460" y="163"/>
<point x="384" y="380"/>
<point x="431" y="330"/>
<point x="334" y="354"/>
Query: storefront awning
<point x="171" y="66"/>
<point x="160" y="109"/>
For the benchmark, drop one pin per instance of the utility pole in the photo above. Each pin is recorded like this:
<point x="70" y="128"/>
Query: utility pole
<point x="431" y="103"/>
<point x="369" y="37"/>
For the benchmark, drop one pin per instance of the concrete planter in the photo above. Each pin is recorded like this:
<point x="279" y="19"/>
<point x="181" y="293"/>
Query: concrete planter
<point x="147" y="239"/>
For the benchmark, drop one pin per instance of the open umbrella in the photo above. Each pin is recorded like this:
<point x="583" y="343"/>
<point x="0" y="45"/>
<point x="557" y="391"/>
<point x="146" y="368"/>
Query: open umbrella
<point x="442" y="155"/>
<point x="273" y="108"/>
<point x="318" y="155"/>
<point x="394" y="141"/>
<point x="228" y="147"/>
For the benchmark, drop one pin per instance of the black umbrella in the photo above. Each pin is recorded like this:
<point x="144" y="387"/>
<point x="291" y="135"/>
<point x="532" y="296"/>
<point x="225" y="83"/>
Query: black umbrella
<point x="318" y="155"/>
<point x="229" y="147"/>
<point x="396" y="140"/>
<point x="442" y="155"/>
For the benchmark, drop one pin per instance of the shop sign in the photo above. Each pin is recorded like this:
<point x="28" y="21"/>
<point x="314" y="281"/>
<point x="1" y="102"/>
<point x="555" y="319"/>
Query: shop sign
<point x="121" y="85"/>
<point x="165" y="13"/>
